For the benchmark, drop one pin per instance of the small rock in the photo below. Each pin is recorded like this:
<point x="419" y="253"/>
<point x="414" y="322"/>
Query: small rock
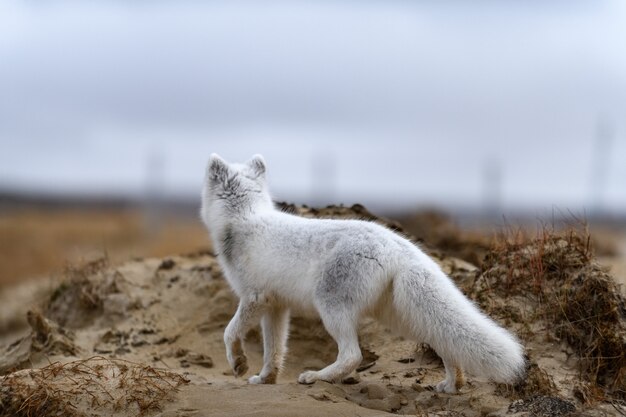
<point x="351" y="380"/>
<point x="137" y="341"/>
<point x="394" y="402"/>
<point x="166" y="265"/>
<point x="417" y="373"/>
<point x="320" y="396"/>
<point x="200" y="359"/>
<point x="376" y="404"/>
<point x="375" y="391"/>
<point x="332" y="390"/>
<point x="116" y="304"/>
<point x="365" y="366"/>
<point x="112" y="341"/>
<point x="426" y="399"/>
<point x="167" y="339"/>
<point x="180" y="352"/>
<point x="417" y="387"/>
<point x="188" y="358"/>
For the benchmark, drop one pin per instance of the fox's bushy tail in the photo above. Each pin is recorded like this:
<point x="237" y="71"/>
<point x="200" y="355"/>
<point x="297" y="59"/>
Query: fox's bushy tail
<point x="435" y="311"/>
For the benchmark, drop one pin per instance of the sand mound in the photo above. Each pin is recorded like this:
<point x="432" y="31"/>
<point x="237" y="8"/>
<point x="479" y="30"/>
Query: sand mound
<point x="145" y="338"/>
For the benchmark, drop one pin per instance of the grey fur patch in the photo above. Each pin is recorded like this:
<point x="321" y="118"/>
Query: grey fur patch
<point x="331" y="242"/>
<point x="340" y="282"/>
<point x="372" y="258"/>
<point x="228" y="243"/>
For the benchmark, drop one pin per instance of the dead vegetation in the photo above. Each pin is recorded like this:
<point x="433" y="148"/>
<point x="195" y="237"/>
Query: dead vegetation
<point x="536" y="382"/>
<point x="100" y="385"/>
<point x="555" y="274"/>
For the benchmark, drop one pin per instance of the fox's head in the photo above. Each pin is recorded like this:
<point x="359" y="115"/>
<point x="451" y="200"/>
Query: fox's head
<point x="234" y="189"/>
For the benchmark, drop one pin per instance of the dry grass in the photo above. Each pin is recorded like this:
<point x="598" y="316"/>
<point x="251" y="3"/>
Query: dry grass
<point x="36" y="242"/>
<point x="97" y="384"/>
<point x="536" y="382"/>
<point x="555" y="273"/>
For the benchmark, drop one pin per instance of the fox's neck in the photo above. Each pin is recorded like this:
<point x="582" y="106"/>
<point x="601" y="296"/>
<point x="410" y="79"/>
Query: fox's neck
<point x="226" y="233"/>
<point x="223" y="221"/>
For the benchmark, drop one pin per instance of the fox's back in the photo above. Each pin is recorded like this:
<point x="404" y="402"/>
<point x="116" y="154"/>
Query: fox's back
<point x="284" y="236"/>
<point x="290" y="255"/>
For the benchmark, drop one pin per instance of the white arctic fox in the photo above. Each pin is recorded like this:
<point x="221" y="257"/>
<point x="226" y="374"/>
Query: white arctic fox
<point x="341" y="270"/>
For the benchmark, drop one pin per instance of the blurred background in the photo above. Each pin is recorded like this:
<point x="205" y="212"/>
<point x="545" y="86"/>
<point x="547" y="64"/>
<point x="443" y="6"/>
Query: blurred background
<point x="484" y="110"/>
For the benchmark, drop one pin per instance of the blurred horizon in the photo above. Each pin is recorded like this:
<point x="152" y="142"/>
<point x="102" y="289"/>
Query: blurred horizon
<point x="396" y="105"/>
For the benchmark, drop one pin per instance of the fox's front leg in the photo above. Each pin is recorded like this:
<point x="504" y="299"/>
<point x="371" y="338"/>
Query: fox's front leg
<point x="247" y="313"/>
<point x="275" y="325"/>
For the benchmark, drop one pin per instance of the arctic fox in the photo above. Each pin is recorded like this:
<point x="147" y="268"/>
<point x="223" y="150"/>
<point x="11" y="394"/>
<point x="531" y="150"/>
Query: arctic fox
<point x="341" y="270"/>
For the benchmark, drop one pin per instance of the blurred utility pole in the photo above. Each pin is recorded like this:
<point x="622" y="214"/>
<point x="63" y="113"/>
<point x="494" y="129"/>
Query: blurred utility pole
<point x="323" y="177"/>
<point x="600" y="165"/>
<point x="492" y="187"/>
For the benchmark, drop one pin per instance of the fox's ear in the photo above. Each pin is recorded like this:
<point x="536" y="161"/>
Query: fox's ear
<point x="257" y="165"/>
<point x="217" y="170"/>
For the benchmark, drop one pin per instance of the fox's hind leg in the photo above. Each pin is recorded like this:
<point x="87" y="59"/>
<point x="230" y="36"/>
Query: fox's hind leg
<point x="275" y="325"/>
<point x="248" y="312"/>
<point x="342" y="326"/>
<point x="454" y="378"/>
<point x="340" y="296"/>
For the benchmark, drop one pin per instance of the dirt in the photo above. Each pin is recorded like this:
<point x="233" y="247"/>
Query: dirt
<point x="146" y="338"/>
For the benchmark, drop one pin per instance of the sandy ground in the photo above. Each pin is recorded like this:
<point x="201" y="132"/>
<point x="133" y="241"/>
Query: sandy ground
<point x="168" y="315"/>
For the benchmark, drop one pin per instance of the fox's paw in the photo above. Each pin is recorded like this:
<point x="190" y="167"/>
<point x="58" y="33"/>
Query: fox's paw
<point x="258" y="379"/>
<point x="309" y="377"/>
<point x="264" y="378"/>
<point x="237" y="360"/>
<point x="446" y="386"/>
<point x="240" y="366"/>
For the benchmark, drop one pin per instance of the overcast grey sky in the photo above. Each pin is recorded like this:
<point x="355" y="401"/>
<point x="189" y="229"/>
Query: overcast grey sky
<point x="397" y="101"/>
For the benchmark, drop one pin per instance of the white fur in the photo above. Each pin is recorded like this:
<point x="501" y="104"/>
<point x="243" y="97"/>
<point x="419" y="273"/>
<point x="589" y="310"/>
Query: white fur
<point x="341" y="270"/>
